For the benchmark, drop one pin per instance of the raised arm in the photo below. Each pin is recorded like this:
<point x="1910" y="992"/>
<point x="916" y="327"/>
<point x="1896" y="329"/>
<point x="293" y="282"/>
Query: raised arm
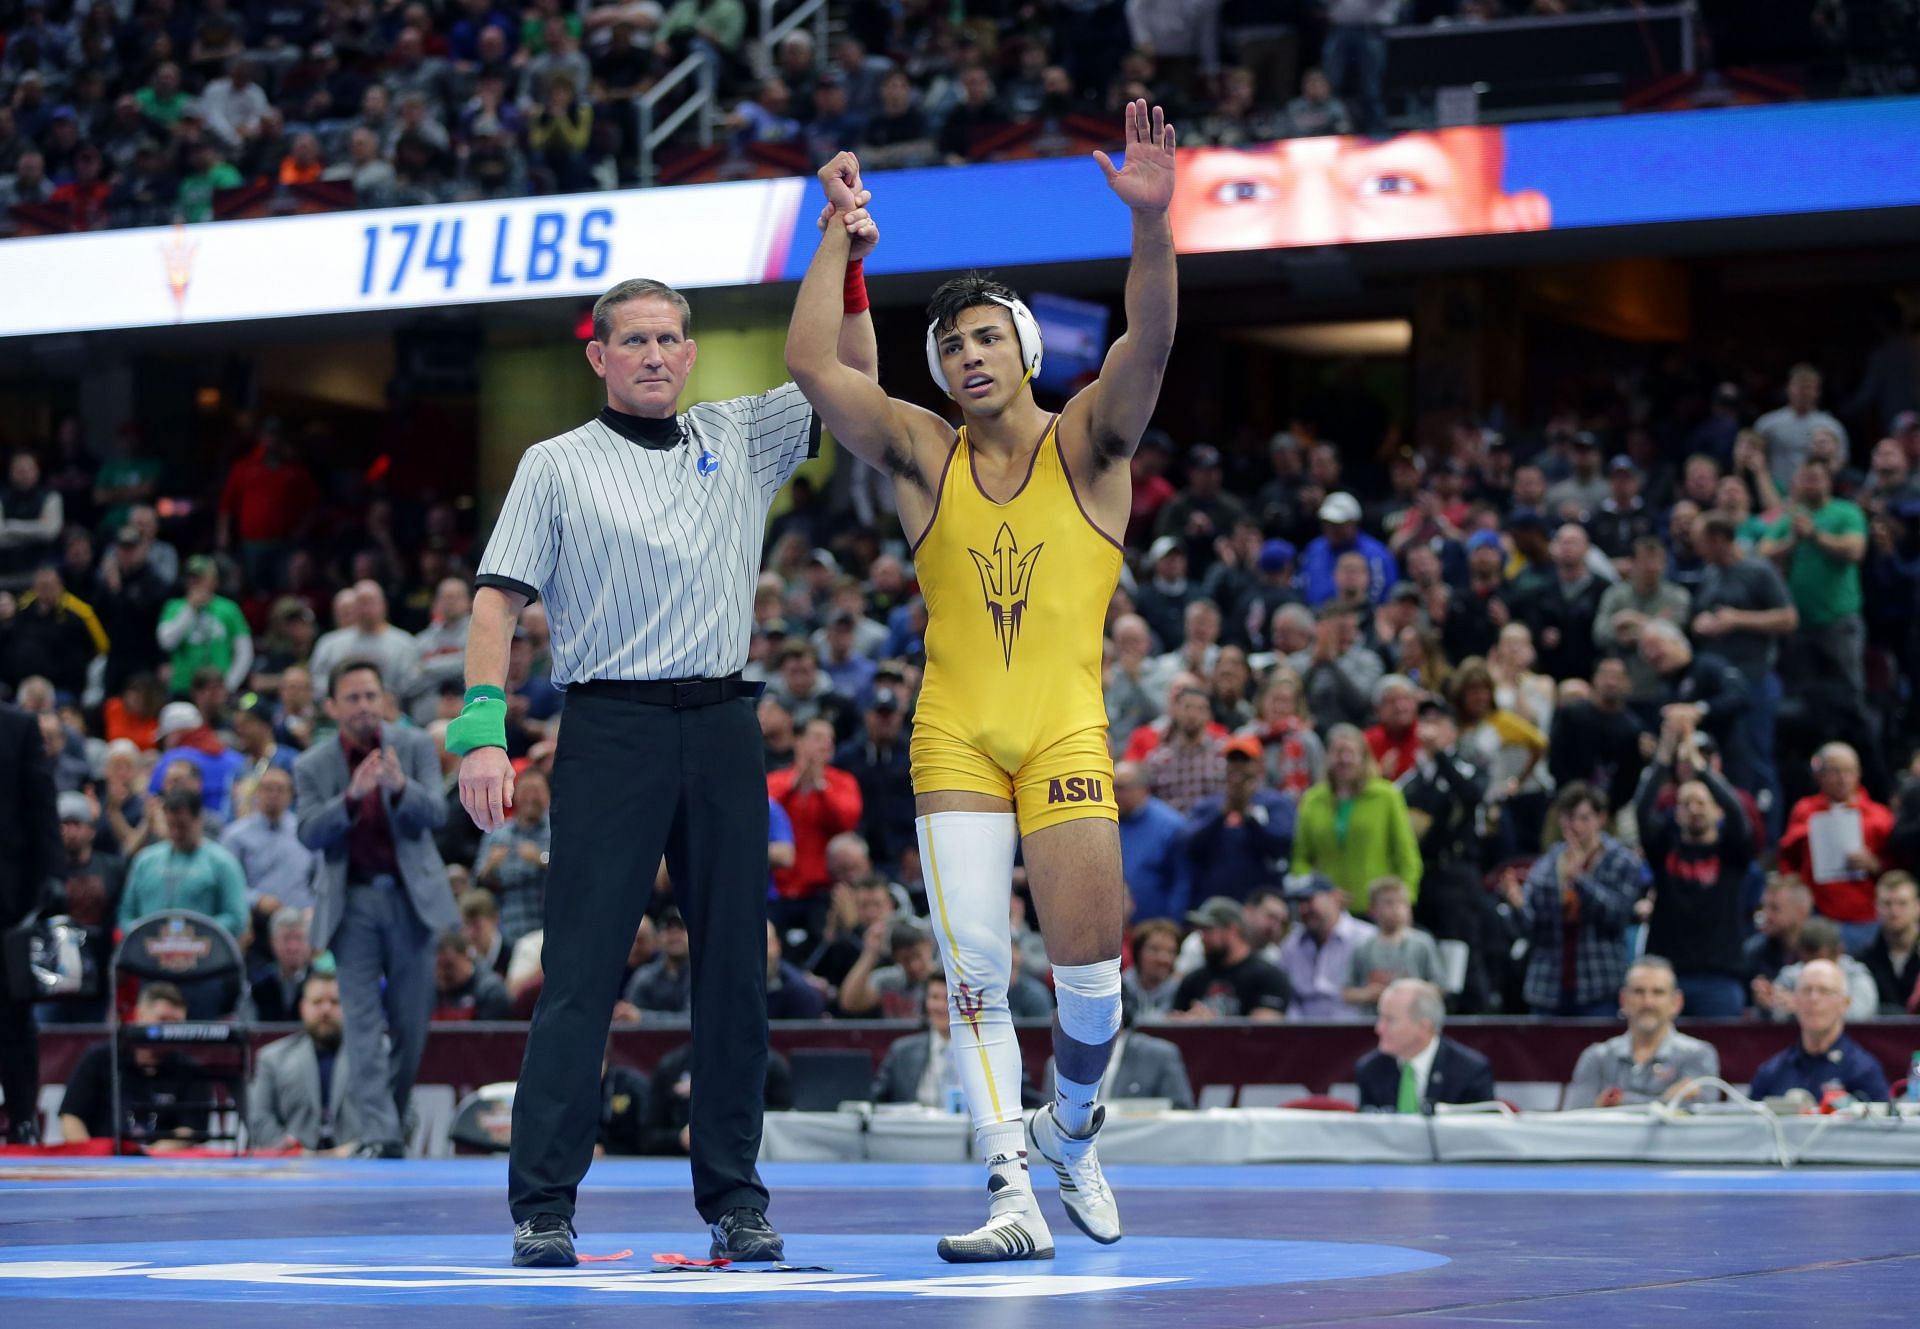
<point x="862" y="418"/>
<point x="1122" y="402"/>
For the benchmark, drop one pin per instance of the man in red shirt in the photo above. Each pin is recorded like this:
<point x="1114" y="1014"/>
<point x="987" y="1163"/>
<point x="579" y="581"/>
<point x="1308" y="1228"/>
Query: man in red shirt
<point x="1395" y="741"/>
<point x="821" y="801"/>
<point x="85" y="196"/>
<point x="1846" y="898"/>
<point x="269" y="501"/>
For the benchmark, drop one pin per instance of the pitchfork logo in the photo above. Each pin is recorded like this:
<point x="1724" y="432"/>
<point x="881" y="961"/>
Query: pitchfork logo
<point x="1005" y="578"/>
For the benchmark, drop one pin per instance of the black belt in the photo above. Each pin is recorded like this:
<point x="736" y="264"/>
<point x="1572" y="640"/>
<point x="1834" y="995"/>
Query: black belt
<point x="682" y="694"/>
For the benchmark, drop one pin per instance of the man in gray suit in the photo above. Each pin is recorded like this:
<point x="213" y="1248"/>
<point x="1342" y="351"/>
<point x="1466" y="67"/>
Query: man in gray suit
<point x="370" y="801"/>
<point x="298" y="1094"/>
<point x="919" y="1068"/>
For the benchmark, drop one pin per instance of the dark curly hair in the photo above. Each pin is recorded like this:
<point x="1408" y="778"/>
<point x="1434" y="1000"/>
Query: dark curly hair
<point x="960" y="294"/>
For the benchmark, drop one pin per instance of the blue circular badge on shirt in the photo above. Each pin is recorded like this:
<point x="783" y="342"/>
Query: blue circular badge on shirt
<point x="709" y="463"/>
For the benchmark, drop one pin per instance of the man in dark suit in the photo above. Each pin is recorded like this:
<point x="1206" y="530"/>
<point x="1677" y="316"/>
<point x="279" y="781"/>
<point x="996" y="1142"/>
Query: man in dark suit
<point x="31" y="860"/>
<point x="1415" y="1067"/>
<point x="370" y="801"/>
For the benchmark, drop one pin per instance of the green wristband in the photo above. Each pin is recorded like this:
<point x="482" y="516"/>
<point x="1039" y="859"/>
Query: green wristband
<point x="480" y="690"/>
<point x="483" y="724"/>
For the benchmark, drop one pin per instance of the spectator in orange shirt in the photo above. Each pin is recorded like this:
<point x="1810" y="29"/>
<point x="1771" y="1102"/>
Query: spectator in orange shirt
<point x="302" y="165"/>
<point x="135" y="714"/>
<point x="1847" y="899"/>
<point x="268" y="504"/>
<point x="821" y="801"/>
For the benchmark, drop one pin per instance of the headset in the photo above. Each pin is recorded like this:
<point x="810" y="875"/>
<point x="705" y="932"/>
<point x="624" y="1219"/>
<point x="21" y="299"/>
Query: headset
<point x="1025" y="327"/>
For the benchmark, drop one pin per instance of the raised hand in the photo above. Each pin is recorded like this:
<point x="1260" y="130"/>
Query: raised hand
<point x="841" y="176"/>
<point x="1145" y="183"/>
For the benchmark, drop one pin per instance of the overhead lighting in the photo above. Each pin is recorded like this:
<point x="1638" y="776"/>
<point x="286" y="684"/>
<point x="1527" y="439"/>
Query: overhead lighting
<point x="1377" y="336"/>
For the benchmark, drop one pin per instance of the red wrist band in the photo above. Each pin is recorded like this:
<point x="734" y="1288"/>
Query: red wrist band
<point x="853" y="295"/>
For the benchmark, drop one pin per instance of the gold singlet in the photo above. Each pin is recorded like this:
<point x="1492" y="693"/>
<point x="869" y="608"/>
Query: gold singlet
<point x="1017" y="595"/>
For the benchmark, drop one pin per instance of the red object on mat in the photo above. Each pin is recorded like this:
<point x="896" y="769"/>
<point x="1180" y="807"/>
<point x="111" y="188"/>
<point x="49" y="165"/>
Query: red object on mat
<point x="675" y="1258"/>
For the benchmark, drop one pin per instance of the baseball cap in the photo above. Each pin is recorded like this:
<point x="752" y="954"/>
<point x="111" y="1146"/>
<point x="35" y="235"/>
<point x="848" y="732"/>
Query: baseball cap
<point x="1484" y="540"/>
<point x="74" y="806"/>
<point x="1584" y="439"/>
<point x="822" y="558"/>
<point x="1432" y="703"/>
<point x="1621" y="464"/>
<point x="1276" y="554"/>
<point x="841" y="619"/>
<point x="1217" y="912"/>
<point x="1404" y="590"/>
<point x="177" y="717"/>
<point x="1156" y="440"/>
<point x="1523" y="517"/>
<point x="1340" y="507"/>
<point x="885" y="699"/>
<point x="1246" y="745"/>
<point x="200" y="565"/>
<point x="127" y="535"/>
<point x="1203" y="455"/>
<point x="1160" y="548"/>
<point x="1308" y="883"/>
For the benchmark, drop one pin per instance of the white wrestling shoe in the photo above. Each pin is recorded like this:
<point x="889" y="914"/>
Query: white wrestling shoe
<point x="1083" y="1187"/>
<point x="1016" y="1231"/>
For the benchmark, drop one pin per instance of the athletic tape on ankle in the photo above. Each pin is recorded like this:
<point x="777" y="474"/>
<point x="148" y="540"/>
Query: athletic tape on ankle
<point x="1089" y="998"/>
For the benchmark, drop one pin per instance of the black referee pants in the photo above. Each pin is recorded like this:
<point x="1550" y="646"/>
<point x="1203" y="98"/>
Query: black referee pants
<point x="632" y="781"/>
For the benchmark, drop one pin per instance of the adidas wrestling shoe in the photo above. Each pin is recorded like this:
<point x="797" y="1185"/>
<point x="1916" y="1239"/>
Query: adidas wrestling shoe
<point x="1083" y="1187"/>
<point x="1015" y="1231"/>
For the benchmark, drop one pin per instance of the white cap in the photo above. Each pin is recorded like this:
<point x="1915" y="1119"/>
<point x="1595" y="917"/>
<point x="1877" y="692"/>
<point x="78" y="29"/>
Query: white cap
<point x="1341" y="507"/>
<point x="1159" y="549"/>
<point x="177" y="717"/>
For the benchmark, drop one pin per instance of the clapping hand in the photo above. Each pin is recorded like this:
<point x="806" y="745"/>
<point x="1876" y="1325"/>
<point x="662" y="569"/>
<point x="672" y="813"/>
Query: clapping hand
<point x="392" y="777"/>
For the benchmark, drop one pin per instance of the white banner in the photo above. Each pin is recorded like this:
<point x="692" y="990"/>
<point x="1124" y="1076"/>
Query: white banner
<point x="398" y="258"/>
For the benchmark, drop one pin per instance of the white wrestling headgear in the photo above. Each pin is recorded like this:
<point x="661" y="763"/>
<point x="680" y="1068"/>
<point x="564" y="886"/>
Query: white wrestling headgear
<point x="1025" y="327"/>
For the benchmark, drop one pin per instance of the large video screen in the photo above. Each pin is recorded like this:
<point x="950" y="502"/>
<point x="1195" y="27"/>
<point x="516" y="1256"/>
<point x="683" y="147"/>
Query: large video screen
<point x="1692" y="166"/>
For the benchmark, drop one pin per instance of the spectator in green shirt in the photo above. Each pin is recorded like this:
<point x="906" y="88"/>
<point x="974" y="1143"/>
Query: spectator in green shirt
<point x="1820" y="541"/>
<point x="713" y="28"/>
<point x="208" y="175"/>
<point x="1353" y="826"/>
<point x="163" y="100"/>
<point x="187" y="871"/>
<point x="204" y="630"/>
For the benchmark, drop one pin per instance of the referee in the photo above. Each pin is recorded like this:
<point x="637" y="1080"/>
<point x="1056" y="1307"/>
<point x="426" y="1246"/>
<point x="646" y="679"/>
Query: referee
<point x="642" y="529"/>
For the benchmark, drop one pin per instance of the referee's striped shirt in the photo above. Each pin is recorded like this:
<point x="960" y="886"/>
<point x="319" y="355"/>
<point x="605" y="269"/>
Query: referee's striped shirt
<point x="646" y="552"/>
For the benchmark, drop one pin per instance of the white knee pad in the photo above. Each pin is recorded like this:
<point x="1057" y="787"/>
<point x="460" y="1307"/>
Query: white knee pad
<point x="968" y="863"/>
<point x="1089" y="999"/>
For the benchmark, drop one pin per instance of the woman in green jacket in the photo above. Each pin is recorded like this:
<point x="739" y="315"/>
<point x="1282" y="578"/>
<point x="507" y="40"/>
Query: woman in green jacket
<point x="1353" y="826"/>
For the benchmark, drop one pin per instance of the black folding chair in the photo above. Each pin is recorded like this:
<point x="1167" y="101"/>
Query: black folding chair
<point x="198" y="955"/>
<point x="824" y="1078"/>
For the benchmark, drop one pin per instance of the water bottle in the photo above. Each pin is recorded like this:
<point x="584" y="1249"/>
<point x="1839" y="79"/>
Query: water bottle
<point x="1913" y="1079"/>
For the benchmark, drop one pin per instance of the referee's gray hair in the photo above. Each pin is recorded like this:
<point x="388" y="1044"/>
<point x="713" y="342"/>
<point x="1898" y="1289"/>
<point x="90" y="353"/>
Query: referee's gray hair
<point x="1428" y="1004"/>
<point x="638" y="288"/>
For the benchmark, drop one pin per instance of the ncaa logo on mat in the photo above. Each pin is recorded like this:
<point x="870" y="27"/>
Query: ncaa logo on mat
<point x="709" y="463"/>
